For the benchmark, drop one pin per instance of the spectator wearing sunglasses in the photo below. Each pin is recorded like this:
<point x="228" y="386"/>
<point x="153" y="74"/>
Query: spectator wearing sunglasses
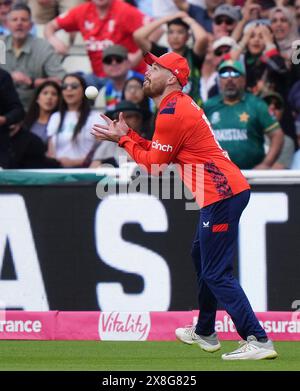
<point x="116" y="66"/>
<point x="29" y="60"/>
<point x="225" y="20"/>
<point x="70" y="140"/>
<point x="241" y="120"/>
<point x="216" y="53"/>
<point x="222" y="46"/>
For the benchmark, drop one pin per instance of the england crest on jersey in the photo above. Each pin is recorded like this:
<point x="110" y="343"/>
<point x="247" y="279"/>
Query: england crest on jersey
<point x="89" y="25"/>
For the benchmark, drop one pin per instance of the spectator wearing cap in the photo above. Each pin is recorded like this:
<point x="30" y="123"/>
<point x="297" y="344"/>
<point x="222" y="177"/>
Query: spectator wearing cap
<point x="225" y="20"/>
<point x="265" y="67"/>
<point x="102" y="23"/>
<point x="109" y="152"/>
<point x="116" y="67"/>
<point x="275" y="103"/>
<point x="222" y="46"/>
<point x="217" y="51"/>
<point x="276" y="109"/>
<point x="241" y="120"/>
<point x="178" y="26"/>
<point x="203" y="16"/>
<point x="30" y="60"/>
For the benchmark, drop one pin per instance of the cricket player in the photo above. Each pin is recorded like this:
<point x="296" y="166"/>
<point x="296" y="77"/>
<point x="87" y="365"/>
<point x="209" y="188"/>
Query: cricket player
<point x="184" y="136"/>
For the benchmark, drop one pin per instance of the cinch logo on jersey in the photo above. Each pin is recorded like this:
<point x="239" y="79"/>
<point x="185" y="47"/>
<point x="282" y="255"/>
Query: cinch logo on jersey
<point x="20" y="326"/>
<point x="231" y="134"/>
<point x="162" y="147"/>
<point x="124" y="326"/>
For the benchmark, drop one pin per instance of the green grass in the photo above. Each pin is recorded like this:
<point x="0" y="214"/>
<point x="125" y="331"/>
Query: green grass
<point x="123" y="356"/>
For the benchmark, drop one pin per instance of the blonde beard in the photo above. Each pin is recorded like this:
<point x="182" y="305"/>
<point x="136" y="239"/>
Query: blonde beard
<point x="148" y="91"/>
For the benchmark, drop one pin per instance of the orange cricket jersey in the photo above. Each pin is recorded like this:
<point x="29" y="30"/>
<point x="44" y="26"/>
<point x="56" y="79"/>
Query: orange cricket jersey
<point x="184" y="136"/>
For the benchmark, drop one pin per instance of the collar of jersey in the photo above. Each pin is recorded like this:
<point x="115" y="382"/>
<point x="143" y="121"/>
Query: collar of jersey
<point x="166" y="98"/>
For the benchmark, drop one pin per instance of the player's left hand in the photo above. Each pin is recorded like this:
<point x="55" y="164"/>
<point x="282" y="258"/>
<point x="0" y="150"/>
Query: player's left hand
<point x="112" y="131"/>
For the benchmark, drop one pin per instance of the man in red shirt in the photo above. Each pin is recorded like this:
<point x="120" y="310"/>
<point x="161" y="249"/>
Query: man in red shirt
<point x="184" y="136"/>
<point x="102" y="23"/>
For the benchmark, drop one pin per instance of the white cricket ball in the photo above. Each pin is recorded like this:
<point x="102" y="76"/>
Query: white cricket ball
<point x="91" y="92"/>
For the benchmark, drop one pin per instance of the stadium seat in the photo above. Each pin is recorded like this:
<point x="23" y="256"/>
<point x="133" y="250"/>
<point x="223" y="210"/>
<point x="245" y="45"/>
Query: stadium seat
<point x="77" y="63"/>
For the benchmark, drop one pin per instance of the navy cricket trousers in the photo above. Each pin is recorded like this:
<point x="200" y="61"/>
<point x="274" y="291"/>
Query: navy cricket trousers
<point x="213" y="253"/>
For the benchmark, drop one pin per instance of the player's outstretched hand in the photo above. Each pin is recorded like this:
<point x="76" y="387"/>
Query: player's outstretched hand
<point x="112" y="131"/>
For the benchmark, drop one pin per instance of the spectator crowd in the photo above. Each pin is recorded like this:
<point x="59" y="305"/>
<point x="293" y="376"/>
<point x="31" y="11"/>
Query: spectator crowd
<point x="244" y="57"/>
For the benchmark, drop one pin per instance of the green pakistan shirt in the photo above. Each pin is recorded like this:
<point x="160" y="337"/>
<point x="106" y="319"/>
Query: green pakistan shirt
<point x="240" y="127"/>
